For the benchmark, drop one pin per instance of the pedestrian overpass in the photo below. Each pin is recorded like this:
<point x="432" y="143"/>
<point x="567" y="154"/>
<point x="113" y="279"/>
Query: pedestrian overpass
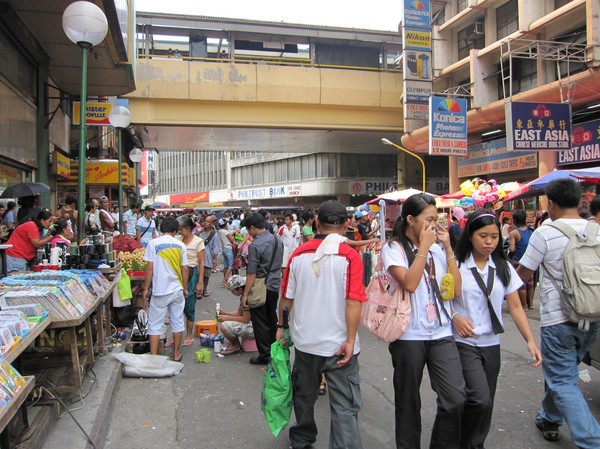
<point x="189" y="103"/>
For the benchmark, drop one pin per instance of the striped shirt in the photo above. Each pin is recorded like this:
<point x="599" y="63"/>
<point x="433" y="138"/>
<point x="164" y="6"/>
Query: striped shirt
<point x="547" y="244"/>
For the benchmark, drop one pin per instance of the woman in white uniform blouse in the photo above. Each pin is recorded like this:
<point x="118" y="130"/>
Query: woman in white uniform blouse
<point x="483" y="265"/>
<point x="415" y="262"/>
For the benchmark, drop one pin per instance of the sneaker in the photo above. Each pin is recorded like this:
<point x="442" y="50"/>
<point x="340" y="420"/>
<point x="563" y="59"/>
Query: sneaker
<point x="549" y="430"/>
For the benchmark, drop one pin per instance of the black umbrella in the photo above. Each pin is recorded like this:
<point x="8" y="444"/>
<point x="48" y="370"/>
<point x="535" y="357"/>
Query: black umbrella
<point x="25" y="189"/>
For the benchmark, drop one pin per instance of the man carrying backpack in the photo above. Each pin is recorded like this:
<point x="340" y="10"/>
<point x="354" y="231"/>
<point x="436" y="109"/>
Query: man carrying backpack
<point x="566" y="335"/>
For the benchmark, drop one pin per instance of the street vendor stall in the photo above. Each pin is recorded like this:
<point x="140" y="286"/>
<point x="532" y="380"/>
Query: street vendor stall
<point x="69" y="298"/>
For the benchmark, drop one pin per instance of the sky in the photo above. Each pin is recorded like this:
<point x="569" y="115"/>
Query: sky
<point x="382" y="15"/>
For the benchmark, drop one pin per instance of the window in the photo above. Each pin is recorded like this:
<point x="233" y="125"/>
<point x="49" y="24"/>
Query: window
<point x="462" y="5"/>
<point x="560" y="3"/>
<point x="524" y="76"/>
<point x="507" y="19"/>
<point x="439" y="17"/>
<point x="565" y="68"/>
<point x="471" y="37"/>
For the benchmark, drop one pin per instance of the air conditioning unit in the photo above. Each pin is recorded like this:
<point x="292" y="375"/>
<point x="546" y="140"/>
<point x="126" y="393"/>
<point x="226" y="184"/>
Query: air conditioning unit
<point x="479" y="28"/>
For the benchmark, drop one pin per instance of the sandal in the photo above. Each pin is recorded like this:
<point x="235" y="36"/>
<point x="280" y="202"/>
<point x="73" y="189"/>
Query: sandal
<point x="169" y="343"/>
<point x="232" y="351"/>
<point x="205" y="294"/>
<point x="179" y="359"/>
<point x="322" y="388"/>
<point x="188" y="342"/>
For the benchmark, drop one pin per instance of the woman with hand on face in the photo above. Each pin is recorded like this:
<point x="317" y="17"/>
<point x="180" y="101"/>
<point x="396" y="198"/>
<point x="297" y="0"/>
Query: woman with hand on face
<point x="487" y="279"/>
<point x="416" y="263"/>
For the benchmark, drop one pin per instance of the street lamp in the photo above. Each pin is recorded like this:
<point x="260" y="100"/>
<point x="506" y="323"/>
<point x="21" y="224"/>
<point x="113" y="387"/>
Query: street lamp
<point x="136" y="156"/>
<point x="120" y="117"/>
<point x="84" y="24"/>
<point x="389" y="142"/>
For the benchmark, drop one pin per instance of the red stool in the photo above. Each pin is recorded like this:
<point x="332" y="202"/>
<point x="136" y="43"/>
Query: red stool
<point x="249" y="345"/>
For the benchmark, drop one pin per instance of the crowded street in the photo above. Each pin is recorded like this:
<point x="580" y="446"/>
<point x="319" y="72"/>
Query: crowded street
<point x="217" y="405"/>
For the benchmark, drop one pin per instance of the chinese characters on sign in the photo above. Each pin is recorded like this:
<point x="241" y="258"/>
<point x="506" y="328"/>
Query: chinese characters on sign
<point x="538" y="126"/>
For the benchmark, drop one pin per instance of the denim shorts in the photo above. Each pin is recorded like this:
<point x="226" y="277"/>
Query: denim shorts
<point x="227" y="258"/>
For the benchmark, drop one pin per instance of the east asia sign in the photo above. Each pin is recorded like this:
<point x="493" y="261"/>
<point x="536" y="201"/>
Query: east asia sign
<point x="538" y="126"/>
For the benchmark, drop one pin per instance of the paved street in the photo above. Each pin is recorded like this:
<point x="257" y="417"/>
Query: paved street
<point x="217" y="405"/>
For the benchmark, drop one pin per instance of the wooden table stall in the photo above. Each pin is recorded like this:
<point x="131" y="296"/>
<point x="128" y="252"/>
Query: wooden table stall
<point x="102" y="309"/>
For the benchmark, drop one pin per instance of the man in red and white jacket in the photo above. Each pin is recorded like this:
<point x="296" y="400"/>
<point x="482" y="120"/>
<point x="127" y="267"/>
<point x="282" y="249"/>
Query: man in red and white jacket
<point x="323" y="283"/>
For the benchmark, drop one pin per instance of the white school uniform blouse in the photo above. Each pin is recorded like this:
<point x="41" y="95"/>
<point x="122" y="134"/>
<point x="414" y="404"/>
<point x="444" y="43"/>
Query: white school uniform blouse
<point x="472" y="302"/>
<point x="419" y="328"/>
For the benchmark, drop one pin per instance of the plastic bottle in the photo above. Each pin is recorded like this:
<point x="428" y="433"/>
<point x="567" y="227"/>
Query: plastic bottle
<point x="218" y="308"/>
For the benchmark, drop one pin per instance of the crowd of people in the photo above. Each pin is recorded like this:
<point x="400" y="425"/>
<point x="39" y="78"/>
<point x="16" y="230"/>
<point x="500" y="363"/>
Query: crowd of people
<point x="317" y="275"/>
<point x="309" y="266"/>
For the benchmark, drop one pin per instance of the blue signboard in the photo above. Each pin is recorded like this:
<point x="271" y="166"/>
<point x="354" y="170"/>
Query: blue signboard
<point x="416" y="14"/>
<point x="538" y="126"/>
<point x="447" y="126"/>
<point x="585" y="145"/>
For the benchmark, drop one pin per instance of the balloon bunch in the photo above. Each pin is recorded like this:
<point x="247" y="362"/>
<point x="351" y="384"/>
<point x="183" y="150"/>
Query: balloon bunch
<point x="478" y="192"/>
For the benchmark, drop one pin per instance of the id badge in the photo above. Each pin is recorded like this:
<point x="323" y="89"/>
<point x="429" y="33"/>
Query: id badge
<point x="431" y="313"/>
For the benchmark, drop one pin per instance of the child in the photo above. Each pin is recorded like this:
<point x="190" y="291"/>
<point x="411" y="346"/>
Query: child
<point x="234" y="325"/>
<point x="61" y="233"/>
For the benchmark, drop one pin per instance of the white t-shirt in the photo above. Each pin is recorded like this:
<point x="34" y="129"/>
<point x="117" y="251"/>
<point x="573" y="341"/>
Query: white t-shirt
<point x="420" y="328"/>
<point x="319" y="313"/>
<point x="291" y="238"/>
<point x="167" y="255"/>
<point x="547" y="245"/>
<point x="141" y="225"/>
<point x="473" y="304"/>
<point x="130" y="218"/>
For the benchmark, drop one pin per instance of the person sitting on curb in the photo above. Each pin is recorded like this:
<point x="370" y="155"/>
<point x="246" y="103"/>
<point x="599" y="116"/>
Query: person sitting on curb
<point x="234" y="325"/>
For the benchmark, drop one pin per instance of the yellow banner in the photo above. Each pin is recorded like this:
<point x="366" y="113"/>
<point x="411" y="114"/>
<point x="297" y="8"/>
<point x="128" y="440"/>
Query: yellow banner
<point x="62" y="165"/>
<point x="103" y="172"/>
<point x="96" y="114"/>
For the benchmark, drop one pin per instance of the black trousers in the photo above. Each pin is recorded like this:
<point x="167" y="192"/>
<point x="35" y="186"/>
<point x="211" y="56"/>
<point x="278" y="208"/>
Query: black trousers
<point x="480" y="370"/>
<point x="264" y="323"/>
<point x="443" y="364"/>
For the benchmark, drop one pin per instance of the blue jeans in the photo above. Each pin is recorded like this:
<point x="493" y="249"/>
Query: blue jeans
<point x="15" y="264"/>
<point x="563" y="347"/>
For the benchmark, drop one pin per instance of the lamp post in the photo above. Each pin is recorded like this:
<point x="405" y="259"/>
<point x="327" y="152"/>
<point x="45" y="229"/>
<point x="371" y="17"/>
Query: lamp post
<point x="120" y="117"/>
<point x="135" y="156"/>
<point x="389" y="142"/>
<point x="84" y="24"/>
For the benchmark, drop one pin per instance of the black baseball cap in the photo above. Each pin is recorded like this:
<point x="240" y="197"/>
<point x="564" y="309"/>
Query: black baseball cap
<point x="332" y="212"/>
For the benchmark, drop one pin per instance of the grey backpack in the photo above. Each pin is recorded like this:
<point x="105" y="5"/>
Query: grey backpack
<point x="580" y="289"/>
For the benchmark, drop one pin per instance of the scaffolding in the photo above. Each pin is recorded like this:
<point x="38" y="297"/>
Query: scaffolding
<point x="559" y="52"/>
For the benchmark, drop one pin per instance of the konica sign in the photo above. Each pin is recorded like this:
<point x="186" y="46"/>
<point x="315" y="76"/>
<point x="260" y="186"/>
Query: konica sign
<point x="447" y="126"/>
<point x="416" y="14"/>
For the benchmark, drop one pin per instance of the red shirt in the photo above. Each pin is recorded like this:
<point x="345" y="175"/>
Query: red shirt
<point x="21" y="241"/>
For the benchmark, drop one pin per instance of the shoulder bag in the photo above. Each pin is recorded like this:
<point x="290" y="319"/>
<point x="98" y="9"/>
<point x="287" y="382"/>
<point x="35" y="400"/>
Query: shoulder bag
<point x="387" y="316"/>
<point x="258" y="294"/>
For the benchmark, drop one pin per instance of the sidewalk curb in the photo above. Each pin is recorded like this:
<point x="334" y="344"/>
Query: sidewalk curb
<point x="101" y="423"/>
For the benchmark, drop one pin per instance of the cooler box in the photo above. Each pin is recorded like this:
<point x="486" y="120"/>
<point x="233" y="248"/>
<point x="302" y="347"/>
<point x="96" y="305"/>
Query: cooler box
<point x="206" y="327"/>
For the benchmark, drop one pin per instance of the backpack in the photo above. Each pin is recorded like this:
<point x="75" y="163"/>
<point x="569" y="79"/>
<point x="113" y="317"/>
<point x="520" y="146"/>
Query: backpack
<point x="580" y="289"/>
